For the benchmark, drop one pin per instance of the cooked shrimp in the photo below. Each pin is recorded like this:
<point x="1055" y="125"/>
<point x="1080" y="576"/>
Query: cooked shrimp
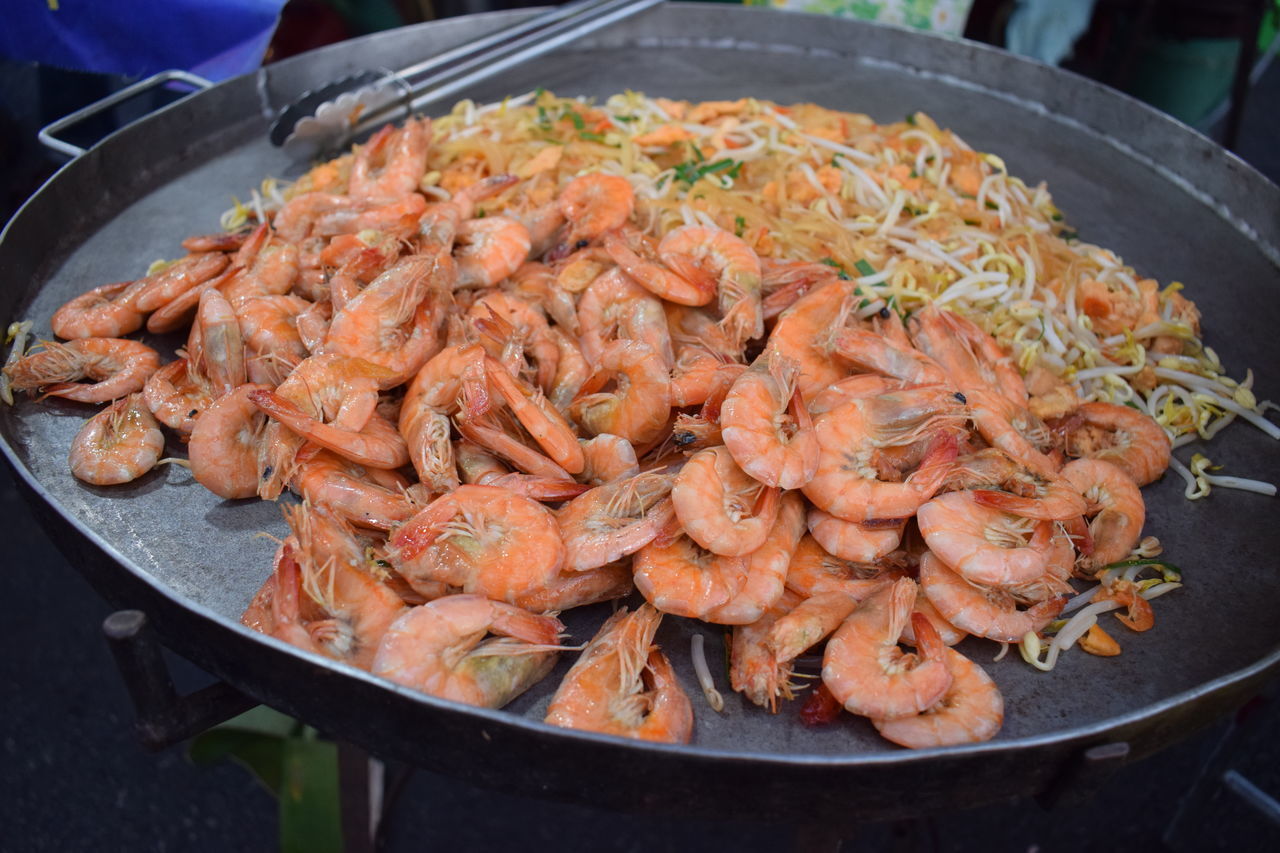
<point x="108" y="311"/>
<point x="438" y="225"/>
<point x="594" y="204"/>
<point x="860" y="386"/>
<point x="392" y="162"/>
<point x="572" y="370"/>
<point x="684" y="579"/>
<point x="439" y="648"/>
<point x="393" y="322"/>
<point x="515" y="332"/>
<point x="869" y="674"/>
<point x="578" y="589"/>
<point x="948" y="633"/>
<point x="356" y="260"/>
<point x="377" y="444"/>
<point x="424" y="415"/>
<point x="352" y="609"/>
<point x="984" y="611"/>
<point x="1042" y="496"/>
<point x="339" y="391"/>
<point x="575" y="271"/>
<point x="875" y="352"/>
<point x="1117" y="508"/>
<point x="634" y="253"/>
<point x="639" y="406"/>
<point x="720" y="507"/>
<point x="118" y="366"/>
<point x="536" y="284"/>
<point x="476" y="465"/>
<point x="850" y="540"/>
<point x="784" y="281"/>
<point x="117" y="445"/>
<point x="225" y="443"/>
<point x="177" y="394"/>
<point x="984" y="544"/>
<point x="608" y="458"/>
<point x="969" y="355"/>
<point x="700" y="375"/>
<point x="325" y="479"/>
<point x="856" y="436"/>
<point x="482" y="539"/>
<point x="501" y="434"/>
<point x="273" y="342"/>
<point x="543" y="223"/>
<point x="296" y="219"/>
<point x="613" y="307"/>
<point x="614" y="520"/>
<point x="710" y="255"/>
<point x="1125" y="437"/>
<point x="991" y="468"/>
<point x="157" y="290"/>
<point x="545" y="425"/>
<point x="766" y="425"/>
<point x="971" y="711"/>
<point x="997" y="420"/>
<point x="265" y="265"/>
<point x="813" y="571"/>
<point x="377" y="215"/>
<point x="697" y="327"/>
<point x="811" y="621"/>
<point x="754" y="669"/>
<point x="488" y="250"/>
<point x="219" y="350"/>
<point x="803" y="333"/>
<point x="766" y="568"/>
<point x="623" y="685"/>
<point x="220" y="242"/>
<point x="257" y="615"/>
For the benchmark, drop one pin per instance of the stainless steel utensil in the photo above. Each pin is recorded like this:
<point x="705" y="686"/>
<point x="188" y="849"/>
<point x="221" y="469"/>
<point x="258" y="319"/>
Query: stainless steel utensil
<point x="328" y="118"/>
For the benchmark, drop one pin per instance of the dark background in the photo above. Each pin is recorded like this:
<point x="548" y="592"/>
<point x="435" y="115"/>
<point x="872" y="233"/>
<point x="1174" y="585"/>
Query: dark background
<point x="75" y="778"/>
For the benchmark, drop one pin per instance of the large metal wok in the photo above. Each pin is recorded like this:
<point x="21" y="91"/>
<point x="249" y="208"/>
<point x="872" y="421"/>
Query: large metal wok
<point x="1169" y="201"/>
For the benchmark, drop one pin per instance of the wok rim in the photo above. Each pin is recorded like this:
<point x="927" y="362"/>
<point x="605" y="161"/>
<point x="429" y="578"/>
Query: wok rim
<point x="1095" y="731"/>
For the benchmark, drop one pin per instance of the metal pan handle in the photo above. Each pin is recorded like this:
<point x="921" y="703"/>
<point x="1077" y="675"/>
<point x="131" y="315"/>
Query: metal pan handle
<point x="46" y="134"/>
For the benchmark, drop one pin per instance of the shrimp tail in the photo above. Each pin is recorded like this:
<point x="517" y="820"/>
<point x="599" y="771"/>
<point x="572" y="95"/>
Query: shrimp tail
<point x="1046" y="611"/>
<point x="527" y="627"/>
<point x="1081" y="536"/>
<point x="928" y="641"/>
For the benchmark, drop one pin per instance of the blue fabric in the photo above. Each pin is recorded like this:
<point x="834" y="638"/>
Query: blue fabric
<point x="216" y="39"/>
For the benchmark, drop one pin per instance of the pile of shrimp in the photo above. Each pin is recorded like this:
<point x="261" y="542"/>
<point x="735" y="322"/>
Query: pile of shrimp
<point x="503" y="393"/>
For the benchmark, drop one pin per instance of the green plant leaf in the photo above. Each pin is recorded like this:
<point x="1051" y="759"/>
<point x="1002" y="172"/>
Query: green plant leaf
<point x="262" y="754"/>
<point x="310" y="818"/>
<point x="265" y="721"/>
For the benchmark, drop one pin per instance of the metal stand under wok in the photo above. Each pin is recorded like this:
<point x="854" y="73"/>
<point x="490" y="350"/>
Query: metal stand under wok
<point x="165" y="718"/>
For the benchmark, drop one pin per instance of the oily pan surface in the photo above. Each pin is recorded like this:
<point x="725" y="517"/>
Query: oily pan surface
<point x="204" y="550"/>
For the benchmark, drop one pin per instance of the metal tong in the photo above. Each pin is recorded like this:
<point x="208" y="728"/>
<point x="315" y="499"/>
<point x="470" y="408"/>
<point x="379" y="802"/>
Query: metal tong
<point x="328" y="118"/>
